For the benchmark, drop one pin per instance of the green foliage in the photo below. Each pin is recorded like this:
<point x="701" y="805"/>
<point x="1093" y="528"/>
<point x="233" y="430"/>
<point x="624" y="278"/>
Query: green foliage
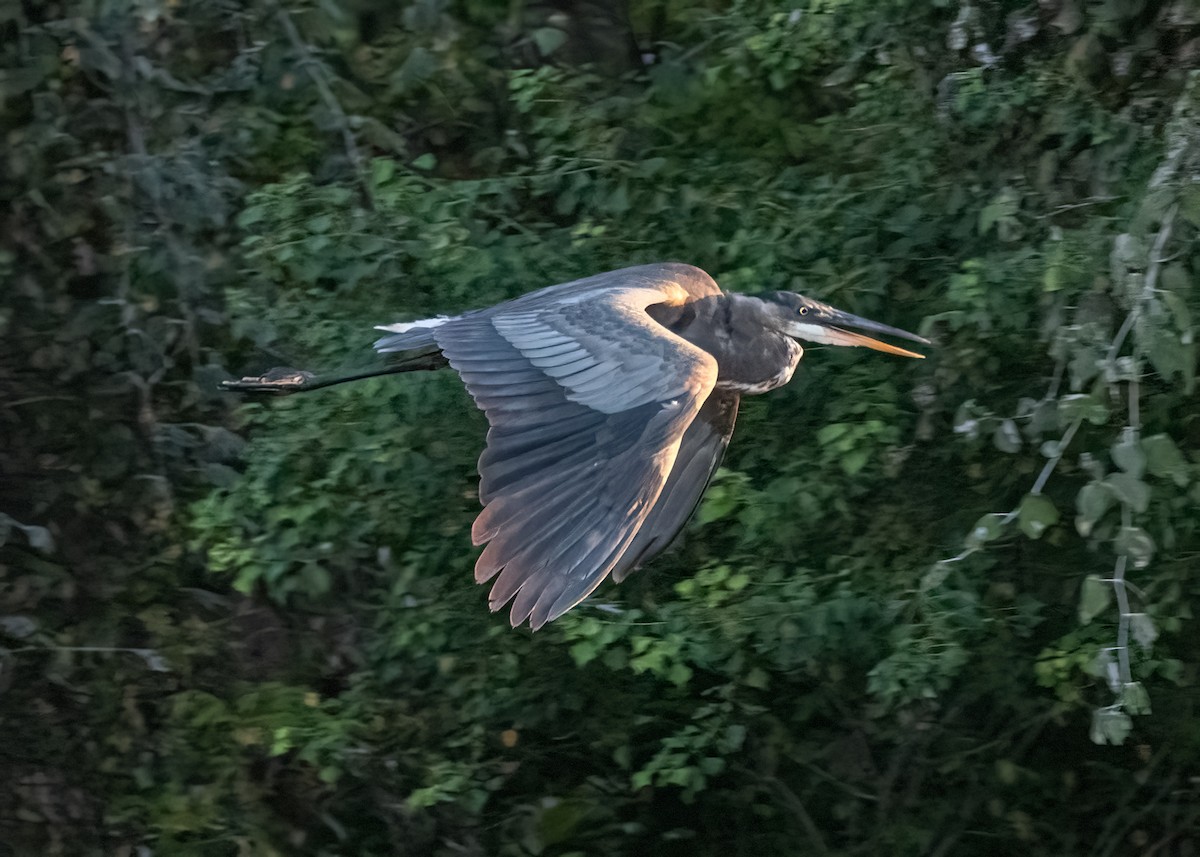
<point x="925" y="605"/>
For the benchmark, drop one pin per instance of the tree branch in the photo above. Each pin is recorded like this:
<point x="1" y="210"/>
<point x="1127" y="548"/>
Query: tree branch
<point x="315" y="71"/>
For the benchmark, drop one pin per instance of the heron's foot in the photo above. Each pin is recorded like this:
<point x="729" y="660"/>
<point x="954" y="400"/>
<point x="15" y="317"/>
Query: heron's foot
<point x="281" y="379"/>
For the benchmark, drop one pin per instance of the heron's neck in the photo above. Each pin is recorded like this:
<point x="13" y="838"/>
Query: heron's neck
<point x="752" y="357"/>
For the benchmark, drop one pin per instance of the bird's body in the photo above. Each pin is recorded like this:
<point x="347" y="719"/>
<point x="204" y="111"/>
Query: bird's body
<point x="610" y="401"/>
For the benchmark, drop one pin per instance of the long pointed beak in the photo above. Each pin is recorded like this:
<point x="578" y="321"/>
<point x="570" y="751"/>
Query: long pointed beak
<point x="828" y="327"/>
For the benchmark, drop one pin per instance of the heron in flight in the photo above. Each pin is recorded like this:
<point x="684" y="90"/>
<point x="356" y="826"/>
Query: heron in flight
<point x="610" y="401"/>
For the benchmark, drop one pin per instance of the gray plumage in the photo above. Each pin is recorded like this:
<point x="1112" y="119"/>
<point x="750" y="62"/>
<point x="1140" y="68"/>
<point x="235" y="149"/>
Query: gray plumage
<point x="610" y="401"/>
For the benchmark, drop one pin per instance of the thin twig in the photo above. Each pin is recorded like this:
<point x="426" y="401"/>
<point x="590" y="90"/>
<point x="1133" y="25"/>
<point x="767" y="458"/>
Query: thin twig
<point x="100" y="649"/>
<point x="1148" y="286"/>
<point x="1060" y="448"/>
<point x="1120" y="590"/>
<point x="798" y="809"/>
<point x="1090" y="201"/>
<point x="315" y="71"/>
<point x="832" y="780"/>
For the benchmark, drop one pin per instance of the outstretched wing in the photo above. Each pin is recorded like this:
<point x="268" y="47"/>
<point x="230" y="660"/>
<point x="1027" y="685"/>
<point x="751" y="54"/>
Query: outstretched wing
<point x="588" y="400"/>
<point x="700" y="453"/>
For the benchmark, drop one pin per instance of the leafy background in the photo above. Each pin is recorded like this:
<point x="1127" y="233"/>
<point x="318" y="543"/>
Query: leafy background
<point x="927" y="608"/>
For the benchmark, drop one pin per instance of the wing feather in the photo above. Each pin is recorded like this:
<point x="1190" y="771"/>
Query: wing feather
<point x="700" y="453"/>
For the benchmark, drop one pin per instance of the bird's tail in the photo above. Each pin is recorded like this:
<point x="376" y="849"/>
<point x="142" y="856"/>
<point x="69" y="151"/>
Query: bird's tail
<point x="409" y="335"/>
<point x="284" y="380"/>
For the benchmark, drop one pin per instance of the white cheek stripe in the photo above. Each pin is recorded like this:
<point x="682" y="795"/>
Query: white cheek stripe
<point x="812" y="333"/>
<point x="406" y="326"/>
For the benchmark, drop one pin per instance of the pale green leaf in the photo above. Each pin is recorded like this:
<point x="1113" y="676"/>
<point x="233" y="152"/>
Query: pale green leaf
<point x="548" y="39"/>
<point x="1135" y="699"/>
<point x="1129" y="490"/>
<point x="831" y="432"/>
<point x="1052" y="278"/>
<point x="1084" y="407"/>
<point x="1092" y="501"/>
<point x="1000" y="209"/>
<point x="1035" y="515"/>
<point x="1006" y="437"/>
<point x="854" y="461"/>
<point x="986" y="529"/>
<point x="1176" y="282"/>
<point x="382" y="170"/>
<point x="1094" y="598"/>
<point x="1143" y="629"/>
<point x="1135" y="543"/>
<point x="1127" y="454"/>
<point x="1163" y="459"/>
<point x="1110" y="726"/>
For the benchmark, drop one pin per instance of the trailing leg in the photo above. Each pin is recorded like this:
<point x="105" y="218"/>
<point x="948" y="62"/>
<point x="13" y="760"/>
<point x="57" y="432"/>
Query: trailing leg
<point x="283" y="380"/>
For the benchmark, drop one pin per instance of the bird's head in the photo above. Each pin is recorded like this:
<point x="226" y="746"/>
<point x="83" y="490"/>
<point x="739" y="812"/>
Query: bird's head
<point x="812" y="321"/>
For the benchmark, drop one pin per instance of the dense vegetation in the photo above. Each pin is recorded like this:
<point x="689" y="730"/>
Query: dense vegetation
<point x="940" y="607"/>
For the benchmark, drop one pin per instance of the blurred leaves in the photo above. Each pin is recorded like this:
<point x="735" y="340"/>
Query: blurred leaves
<point x="1094" y="598"/>
<point x="1035" y="515"/>
<point x="305" y="664"/>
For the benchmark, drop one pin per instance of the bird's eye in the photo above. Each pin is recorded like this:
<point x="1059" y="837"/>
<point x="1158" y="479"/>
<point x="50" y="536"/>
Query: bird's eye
<point x="803" y="310"/>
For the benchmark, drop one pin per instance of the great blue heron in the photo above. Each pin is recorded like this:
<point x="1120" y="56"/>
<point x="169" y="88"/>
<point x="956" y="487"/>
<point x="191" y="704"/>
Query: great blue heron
<point x="611" y="400"/>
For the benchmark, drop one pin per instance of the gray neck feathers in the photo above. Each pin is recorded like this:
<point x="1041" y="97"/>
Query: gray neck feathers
<point x="738" y="330"/>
